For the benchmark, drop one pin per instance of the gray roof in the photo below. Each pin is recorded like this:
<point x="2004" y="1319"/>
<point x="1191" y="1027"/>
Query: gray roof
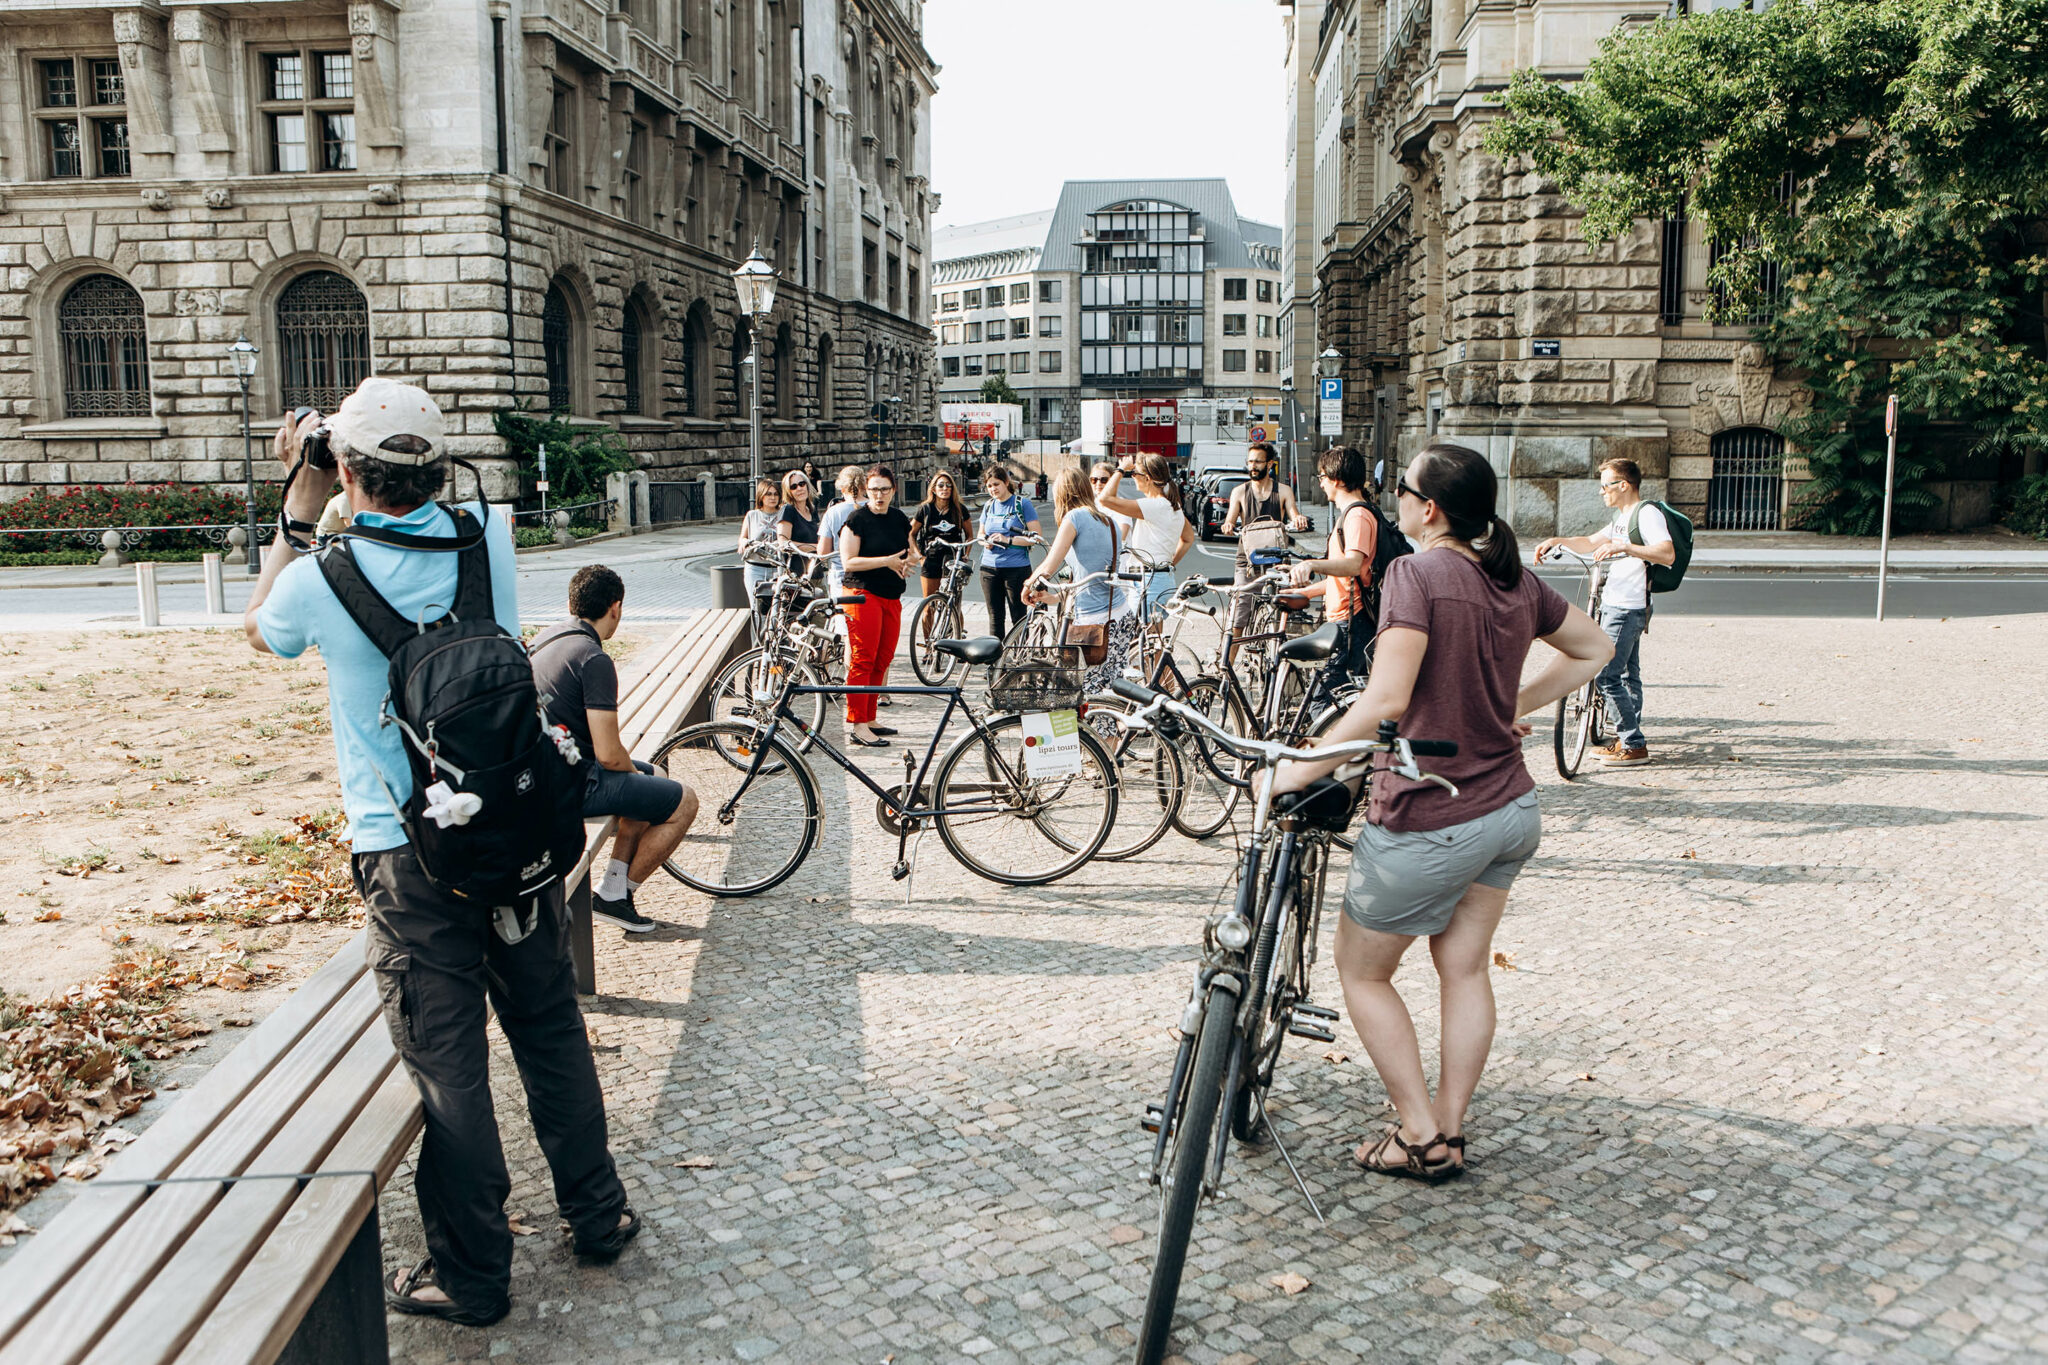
<point x="1234" y="243"/>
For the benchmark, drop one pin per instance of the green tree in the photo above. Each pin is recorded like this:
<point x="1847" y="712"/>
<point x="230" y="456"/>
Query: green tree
<point x="1911" y="252"/>
<point x="996" y="389"/>
<point x="578" y="457"/>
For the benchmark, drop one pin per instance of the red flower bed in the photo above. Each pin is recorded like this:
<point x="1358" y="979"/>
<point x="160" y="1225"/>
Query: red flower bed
<point x="101" y="506"/>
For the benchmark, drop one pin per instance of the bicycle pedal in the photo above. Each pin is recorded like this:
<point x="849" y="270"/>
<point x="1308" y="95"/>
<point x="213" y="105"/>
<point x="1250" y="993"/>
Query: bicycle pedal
<point x="1316" y="1011"/>
<point x="1154" y="1117"/>
<point x="1309" y="1029"/>
<point x="900" y="871"/>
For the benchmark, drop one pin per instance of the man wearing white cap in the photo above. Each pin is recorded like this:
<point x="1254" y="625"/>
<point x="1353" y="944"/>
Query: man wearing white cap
<point x="436" y="958"/>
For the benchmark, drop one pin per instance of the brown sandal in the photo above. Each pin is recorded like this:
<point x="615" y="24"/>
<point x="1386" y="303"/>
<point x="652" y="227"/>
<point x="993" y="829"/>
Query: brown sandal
<point x="1413" y="1165"/>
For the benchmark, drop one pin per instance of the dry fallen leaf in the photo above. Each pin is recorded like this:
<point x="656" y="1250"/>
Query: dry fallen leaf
<point x="237" y="1021"/>
<point x="1505" y="961"/>
<point x="1290" y="1282"/>
<point x="1585" y="1076"/>
<point x="518" y="1228"/>
<point x="48" y="915"/>
<point x="1690" y="853"/>
<point x="696" y="1163"/>
<point x="1333" y="1055"/>
<point x="11" y="1226"/>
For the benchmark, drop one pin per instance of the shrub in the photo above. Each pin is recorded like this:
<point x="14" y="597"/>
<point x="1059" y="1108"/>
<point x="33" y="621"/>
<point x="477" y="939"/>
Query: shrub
<point x="101" y="506"/>
<point x="2026" y="506"/>
<point x="578" y="457"/>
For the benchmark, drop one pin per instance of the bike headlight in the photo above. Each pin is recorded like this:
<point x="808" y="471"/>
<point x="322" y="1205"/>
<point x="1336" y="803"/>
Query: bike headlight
<point x="1233" y="933"/>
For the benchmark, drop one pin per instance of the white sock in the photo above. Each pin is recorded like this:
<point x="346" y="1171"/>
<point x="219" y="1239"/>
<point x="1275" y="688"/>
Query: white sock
<point x="613" y="887"/>
<point x="634" y="887"/>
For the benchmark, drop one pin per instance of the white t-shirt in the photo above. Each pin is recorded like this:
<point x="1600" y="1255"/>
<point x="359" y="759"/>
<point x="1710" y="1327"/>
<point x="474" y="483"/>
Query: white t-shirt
<point x="1157" y="534"/>
<point x="1628" y="578"/>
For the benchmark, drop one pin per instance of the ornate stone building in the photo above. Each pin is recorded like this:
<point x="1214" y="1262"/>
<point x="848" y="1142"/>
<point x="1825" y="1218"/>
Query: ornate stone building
<point x="536" y="202"/>
<point x="1466" y="304"/>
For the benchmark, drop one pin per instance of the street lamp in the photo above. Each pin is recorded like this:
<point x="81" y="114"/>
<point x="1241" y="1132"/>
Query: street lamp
<point x="1291" y="414"/>
<point x="754" y="281"/>
<point x="243" y="353"/>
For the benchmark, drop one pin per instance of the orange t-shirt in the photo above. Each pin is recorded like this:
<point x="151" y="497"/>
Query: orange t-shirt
<point x="1341" y="596"/>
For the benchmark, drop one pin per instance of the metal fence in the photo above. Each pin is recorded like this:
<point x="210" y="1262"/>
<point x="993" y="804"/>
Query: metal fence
<point x="732" y="498"/>
<point x="1748" y="481"/>
<point x="680" y="501"/>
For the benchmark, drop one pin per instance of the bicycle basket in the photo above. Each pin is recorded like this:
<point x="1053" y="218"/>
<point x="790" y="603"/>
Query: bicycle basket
<point x="1037" y="678"/>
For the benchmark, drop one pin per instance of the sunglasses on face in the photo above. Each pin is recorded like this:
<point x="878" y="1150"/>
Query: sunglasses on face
<point x="1401" y="486"/>
<point x="795" y="484"/>
<point x="1098" y="479"/>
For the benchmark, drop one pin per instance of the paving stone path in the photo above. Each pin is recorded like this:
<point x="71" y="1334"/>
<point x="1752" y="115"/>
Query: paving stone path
<point x="1769" y="1082"/>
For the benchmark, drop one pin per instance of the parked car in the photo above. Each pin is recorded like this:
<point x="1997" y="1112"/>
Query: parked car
<point x="1211" y="491"/>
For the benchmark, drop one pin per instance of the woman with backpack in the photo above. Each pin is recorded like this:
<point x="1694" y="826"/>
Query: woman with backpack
<point x="942" y="516"/>
<point x="1006" y="518"/>
<point x="1457" y="619"/>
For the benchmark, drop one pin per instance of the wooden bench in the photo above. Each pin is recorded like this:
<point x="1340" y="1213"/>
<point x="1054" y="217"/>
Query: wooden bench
<point x="662" y="690"/>
<point x="241" y="1227"/>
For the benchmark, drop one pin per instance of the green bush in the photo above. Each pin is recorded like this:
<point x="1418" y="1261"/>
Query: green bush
<point x="101" y="506"/>
<point x="526" y="537"/>
<point x="2026" y="506"/>
<point x="578" y="457"/>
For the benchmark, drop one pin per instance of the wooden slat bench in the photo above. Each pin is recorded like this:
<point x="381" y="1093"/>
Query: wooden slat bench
<point x="241" y="1227"/>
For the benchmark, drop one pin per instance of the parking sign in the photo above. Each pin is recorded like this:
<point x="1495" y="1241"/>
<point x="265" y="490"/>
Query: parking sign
<point x="1331" y="392"/>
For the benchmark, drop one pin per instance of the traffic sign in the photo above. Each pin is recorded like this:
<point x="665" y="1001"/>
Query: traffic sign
<point x="1331" y="393"/>
<point x="1261" y="432"/>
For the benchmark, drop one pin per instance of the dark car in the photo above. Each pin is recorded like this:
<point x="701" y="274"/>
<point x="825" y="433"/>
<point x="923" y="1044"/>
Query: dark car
<point x="1211" y="492"/>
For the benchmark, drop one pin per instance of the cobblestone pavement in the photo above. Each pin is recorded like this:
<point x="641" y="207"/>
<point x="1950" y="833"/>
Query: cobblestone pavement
<point x="1768" y="1084"/>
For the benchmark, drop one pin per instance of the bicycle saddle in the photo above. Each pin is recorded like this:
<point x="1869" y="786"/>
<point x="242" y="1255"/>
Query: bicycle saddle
<point x="1324" y="803"/>
<point x="1314" y="647"/>
<point x="1291" y="601"/>
<point x="982" y="649"/>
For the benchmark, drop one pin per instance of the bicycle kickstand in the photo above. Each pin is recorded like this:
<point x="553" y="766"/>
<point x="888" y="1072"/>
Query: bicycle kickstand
<point x="1299" y="1183"/>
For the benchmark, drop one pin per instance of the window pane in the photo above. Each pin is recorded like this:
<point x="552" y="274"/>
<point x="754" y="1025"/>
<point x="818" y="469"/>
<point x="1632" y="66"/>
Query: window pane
<point x="555" y="346"/>
<point x="287" y="77"/>
<point x="323" y="330"/>
<point x="287" y="142"/>
<point x="106" y="356"/>
<point x="113" y="145"/>
<point x="629" y="361"/>
<point x="338" y="142"/>
<point x="107" y="87"/>
<point x="60" y="86"/>
<point x="64" y="157"/>
<point x="337" y="76"/>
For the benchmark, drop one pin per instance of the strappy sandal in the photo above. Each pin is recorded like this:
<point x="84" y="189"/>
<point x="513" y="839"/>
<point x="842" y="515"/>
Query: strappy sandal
<point x="400" y="1296"/>
<point x="1457" y="1144"/>
<point x="1413" y="1165"/>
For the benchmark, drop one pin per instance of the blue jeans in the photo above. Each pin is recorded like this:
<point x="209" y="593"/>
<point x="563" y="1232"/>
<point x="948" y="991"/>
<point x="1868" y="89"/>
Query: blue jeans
<point x="1621" y="682"/>
<point x="1159" y="587"/>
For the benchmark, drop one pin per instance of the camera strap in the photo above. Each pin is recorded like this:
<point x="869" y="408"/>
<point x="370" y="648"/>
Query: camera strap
<point x="384" y="535"/>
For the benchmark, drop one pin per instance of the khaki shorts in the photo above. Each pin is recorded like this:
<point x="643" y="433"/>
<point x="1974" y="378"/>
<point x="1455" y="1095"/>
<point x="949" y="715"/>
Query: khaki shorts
<point x="1408" y="883"/>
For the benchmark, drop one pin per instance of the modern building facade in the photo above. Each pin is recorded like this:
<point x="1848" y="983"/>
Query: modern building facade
<point x="1465" y="303"/>
<point x="531" y="202"/>
<point x="1124" y="289"/>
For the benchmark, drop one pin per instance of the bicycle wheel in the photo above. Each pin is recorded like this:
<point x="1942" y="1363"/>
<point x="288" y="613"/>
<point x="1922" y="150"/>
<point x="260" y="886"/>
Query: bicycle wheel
<point x="1151" y="779"/>
<point x="1186" y="1163"/>
<point x="938" y="618"/>
<point x="735" y="691"/>
<point x="1210" y="798"/>
<point x="1285" y="978"/>
<point x="1012" y="828"/>
<point x="749" y="834"/>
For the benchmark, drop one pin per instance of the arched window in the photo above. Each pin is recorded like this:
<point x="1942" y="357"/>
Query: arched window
<point x="781" y="372"/>
<point x="323" y="340"/>
<point x="742" y="382"/>
<point x="825" y="404"/>
<point x="630" y="361"/>
<point x="557" y="348"/>
<point x="697" y="362"/>
<point x="1748" y="481"/>
<point x="106" y="353"/>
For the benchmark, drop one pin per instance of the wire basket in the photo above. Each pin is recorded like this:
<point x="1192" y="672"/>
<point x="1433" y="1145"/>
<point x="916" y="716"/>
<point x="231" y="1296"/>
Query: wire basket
<point x="1037" y="678"/>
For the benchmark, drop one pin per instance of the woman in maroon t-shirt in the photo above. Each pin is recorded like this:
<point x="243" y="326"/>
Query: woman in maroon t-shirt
<point x="1456" y="622"/>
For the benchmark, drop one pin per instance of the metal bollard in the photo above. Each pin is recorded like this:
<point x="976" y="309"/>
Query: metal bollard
<point x="216" y="585"/>
<point x="145" y="593"/>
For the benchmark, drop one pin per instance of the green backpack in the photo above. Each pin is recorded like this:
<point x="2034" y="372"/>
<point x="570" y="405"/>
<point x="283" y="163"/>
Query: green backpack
<point x="1665" y="577"/>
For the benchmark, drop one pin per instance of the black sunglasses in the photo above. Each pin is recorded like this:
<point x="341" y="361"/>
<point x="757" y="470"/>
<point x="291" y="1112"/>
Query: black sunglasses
<point x="1401" y="486"/>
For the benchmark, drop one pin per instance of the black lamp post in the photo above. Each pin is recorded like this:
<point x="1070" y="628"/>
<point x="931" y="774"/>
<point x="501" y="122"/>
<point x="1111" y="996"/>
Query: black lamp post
<point x="243" y="352"/>
<point x="754" y="281"/>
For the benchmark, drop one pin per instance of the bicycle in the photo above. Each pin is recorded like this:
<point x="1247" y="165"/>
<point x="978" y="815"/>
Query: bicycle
<point x="797" y="639"/>
<point x="1252" y="987"/>
<point x="1581" y="721"/>
<point x="1008" y="805"/>
<point x="940" y="617"/>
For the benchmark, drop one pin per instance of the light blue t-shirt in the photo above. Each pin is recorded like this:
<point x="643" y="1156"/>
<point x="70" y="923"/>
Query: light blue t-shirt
<point x="302" y="612"/>
<point x="1011" y="517"/>
<point x="829" y="528"/>
<point x="1091" y="553"/>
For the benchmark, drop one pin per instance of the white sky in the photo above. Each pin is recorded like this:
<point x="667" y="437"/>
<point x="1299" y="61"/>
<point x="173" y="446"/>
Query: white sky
<point x="1033" y="94"/>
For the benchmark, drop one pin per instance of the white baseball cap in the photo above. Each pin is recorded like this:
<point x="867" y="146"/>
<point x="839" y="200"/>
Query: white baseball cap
<point x="382" y="408"/>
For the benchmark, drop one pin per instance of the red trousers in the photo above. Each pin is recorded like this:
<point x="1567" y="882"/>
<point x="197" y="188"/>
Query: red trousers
<point x="871" y="630"/>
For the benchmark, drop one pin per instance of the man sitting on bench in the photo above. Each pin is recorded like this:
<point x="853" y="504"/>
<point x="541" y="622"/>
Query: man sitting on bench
<point x="579" y="685"/>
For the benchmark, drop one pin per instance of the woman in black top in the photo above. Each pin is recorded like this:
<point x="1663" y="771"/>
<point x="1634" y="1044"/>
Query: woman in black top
<point x="943" y="516"/>
<point x="799" y="521"/>
<point x="876" y="551"/>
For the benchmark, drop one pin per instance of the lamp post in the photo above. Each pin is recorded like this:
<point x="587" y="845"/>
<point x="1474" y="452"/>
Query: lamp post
<point x="755" y="281"/>
<point x="243" y="352"/>
<point x="1290" y="414"/>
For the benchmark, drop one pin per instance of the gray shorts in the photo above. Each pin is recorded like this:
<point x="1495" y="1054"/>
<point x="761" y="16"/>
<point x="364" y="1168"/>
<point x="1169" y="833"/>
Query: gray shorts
<point x="642" y="794"/>
<point x="1408" y="883"/>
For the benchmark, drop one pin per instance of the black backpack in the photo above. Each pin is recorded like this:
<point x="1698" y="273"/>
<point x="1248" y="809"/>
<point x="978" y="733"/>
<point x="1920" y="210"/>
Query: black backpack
<point x="1388" y="545"/>
<point x="462" y="694"/>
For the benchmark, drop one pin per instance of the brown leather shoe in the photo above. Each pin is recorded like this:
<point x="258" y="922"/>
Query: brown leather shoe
<point x="1625" y="758"/>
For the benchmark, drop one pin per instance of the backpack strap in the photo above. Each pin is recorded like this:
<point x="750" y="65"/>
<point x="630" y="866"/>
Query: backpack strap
<point x="1356" y="592"/>
<point x="377" y="618"/>
<point x="1635" y="523"/>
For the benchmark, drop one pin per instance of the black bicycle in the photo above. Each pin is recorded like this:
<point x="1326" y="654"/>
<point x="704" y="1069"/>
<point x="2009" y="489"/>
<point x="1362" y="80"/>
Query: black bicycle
<point x="1021" y="799"/>
<point x="940" y="617"/>
<point x="1252" y="988"/>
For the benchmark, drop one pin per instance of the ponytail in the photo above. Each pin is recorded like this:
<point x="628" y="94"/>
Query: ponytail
<point x="1500" y="556"/>
<point x="1461" y="482"/>
<point x="1155" y="468"/>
